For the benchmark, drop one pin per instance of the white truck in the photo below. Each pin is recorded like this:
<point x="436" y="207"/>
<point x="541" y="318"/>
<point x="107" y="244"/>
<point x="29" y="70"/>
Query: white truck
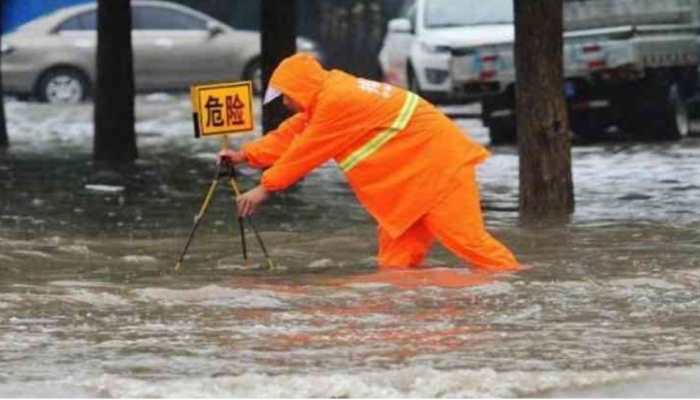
<point x="630" y="65"/>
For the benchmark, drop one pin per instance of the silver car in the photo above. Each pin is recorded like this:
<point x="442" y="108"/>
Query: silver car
<point x="52" y="57"/>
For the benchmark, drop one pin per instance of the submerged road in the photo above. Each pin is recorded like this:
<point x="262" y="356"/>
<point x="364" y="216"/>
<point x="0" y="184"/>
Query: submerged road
<point x="608" y="308"/>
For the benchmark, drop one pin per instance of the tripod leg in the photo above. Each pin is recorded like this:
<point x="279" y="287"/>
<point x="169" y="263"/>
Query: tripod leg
<point x="198" y="219"/>
<point x="237" y="191"/>
<point x="243" y="242"/>
<point x="270" y="264"/>
<point x="240" y="219"/>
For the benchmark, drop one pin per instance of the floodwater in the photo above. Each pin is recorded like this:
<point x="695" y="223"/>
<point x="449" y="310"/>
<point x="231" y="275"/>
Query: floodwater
<point x="89" y="308"/>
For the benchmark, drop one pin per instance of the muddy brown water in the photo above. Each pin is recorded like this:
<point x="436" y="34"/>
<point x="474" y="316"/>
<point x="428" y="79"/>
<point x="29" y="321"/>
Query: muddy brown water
<point x="609" y="306"/>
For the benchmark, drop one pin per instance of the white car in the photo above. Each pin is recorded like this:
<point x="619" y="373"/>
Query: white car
<point x="419" y="46"/>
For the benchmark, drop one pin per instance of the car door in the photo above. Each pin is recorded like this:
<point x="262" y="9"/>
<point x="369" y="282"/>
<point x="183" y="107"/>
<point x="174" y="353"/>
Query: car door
<point x="78" y="37"/>
<point x="79" y="34"/>
<point x="177" y="48"/>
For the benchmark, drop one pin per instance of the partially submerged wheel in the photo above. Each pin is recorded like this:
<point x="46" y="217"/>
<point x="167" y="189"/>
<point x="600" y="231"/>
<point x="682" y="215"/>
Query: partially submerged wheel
<point x="654" y="111"/>
<point x="63" y="85"/>
<point x="680" y="110"/>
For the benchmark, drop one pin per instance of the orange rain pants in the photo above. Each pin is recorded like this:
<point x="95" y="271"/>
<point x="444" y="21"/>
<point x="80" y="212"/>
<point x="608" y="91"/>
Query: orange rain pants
<point x="457" y="223"/>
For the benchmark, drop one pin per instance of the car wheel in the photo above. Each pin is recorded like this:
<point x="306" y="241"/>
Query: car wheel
<point x="656" y="111"/>
<point x="680" y="113"/>
<point x="63" y="85"/>
<point x="253" y="73"/>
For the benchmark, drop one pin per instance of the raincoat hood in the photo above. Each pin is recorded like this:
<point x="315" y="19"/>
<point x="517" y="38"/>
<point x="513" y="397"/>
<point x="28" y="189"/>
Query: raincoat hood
<point x="300" y="77"/>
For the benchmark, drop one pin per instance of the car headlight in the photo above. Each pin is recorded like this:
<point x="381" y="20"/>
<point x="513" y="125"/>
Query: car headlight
<point x="6" y="48"/>
<point x="435" y="48"/>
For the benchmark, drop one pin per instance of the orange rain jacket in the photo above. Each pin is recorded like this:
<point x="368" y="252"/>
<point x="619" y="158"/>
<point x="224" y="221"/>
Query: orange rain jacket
<point x="397" y="178"/>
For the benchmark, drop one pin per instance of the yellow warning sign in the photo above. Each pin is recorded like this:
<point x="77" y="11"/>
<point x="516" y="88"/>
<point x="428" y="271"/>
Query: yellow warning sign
<point x="222" y="108"/>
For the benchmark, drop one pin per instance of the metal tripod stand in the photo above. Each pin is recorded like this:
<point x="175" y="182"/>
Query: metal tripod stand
<point x="225" y="172"/>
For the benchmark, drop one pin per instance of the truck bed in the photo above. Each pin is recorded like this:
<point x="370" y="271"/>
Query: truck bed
<point x="594" y="14"/>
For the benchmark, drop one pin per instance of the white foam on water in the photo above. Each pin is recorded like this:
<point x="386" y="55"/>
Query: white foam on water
<point x="492" y="289"/>
<point x="11" y="297"/>
<point x="369" y="286"/>
<point x="297" y="327"/>
<point x="139" y="259"/>
<point x="669" y="383"/>
<point x="644" y="282"/>
<point x="66" y="388"/>
<point x="413" y="382"/>
<point x="215" y="295"/>
<point x="83" y="284"/>
<point x="322" y="263"/>
<point x="26" y="247"/>
<point x="233" y="267"/>
<point x="95" y="298"/>
<point x="52" y="240"/>
<point x="78" y="249"/>
<point x="334" y="293"/>
<point x="32" y="321"/>
<point x="104" y="188"/>
<point x="32" y="253"/>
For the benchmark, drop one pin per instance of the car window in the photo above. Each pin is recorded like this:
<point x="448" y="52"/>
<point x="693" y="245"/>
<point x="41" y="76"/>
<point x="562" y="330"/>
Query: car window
<point x="449" y="13"/>
<point x="157" y="18"/>
<point x="408" y="11"/>
<point x="412" y="16"/>
<point x="86" y="21"/>
<point x="406" y="7"/>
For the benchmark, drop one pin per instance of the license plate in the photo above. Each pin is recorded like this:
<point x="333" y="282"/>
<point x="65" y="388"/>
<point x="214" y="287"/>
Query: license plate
<point x="463" y="68"/>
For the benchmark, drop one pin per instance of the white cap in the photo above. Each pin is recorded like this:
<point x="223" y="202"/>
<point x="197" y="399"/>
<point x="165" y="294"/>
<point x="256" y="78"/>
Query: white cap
<point x="271" y="94"/>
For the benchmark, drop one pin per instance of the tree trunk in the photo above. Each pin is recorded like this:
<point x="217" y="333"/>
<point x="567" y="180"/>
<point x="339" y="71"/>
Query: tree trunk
<point x="544" y="141"/>
<point x="115" y="137"/>
<point x="4" y="141"/>
<point x="278" y="39"/>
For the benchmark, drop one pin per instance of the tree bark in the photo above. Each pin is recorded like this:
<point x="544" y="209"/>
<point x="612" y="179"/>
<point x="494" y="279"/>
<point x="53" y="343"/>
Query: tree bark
<point x="115" y="137"/>
<point x="4" y="141"/>
<point x="278" y="41"/>
<point x="544" y="140"/>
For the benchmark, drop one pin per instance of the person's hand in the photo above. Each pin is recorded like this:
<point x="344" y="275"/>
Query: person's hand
<point x="230" y="157"/>
<point x="249" y="201"/>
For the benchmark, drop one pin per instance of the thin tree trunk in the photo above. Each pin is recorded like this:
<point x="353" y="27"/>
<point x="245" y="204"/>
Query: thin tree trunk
<point x="115" y="137"/>
<point x="544" y="141"/>
<point x="4" y="141"/>
<point x="278" y="39"/>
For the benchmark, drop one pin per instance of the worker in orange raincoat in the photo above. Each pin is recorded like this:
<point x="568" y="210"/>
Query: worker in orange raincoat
<point x="409" y="165"/>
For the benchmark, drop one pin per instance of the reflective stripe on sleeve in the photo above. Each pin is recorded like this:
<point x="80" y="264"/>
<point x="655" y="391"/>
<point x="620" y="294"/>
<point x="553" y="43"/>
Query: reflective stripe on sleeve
<point x="369" y="148"/>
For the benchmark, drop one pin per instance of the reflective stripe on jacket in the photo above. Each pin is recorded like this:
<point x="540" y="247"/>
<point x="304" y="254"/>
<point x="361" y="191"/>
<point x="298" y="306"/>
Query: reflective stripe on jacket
<point x="374" y="144"/>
